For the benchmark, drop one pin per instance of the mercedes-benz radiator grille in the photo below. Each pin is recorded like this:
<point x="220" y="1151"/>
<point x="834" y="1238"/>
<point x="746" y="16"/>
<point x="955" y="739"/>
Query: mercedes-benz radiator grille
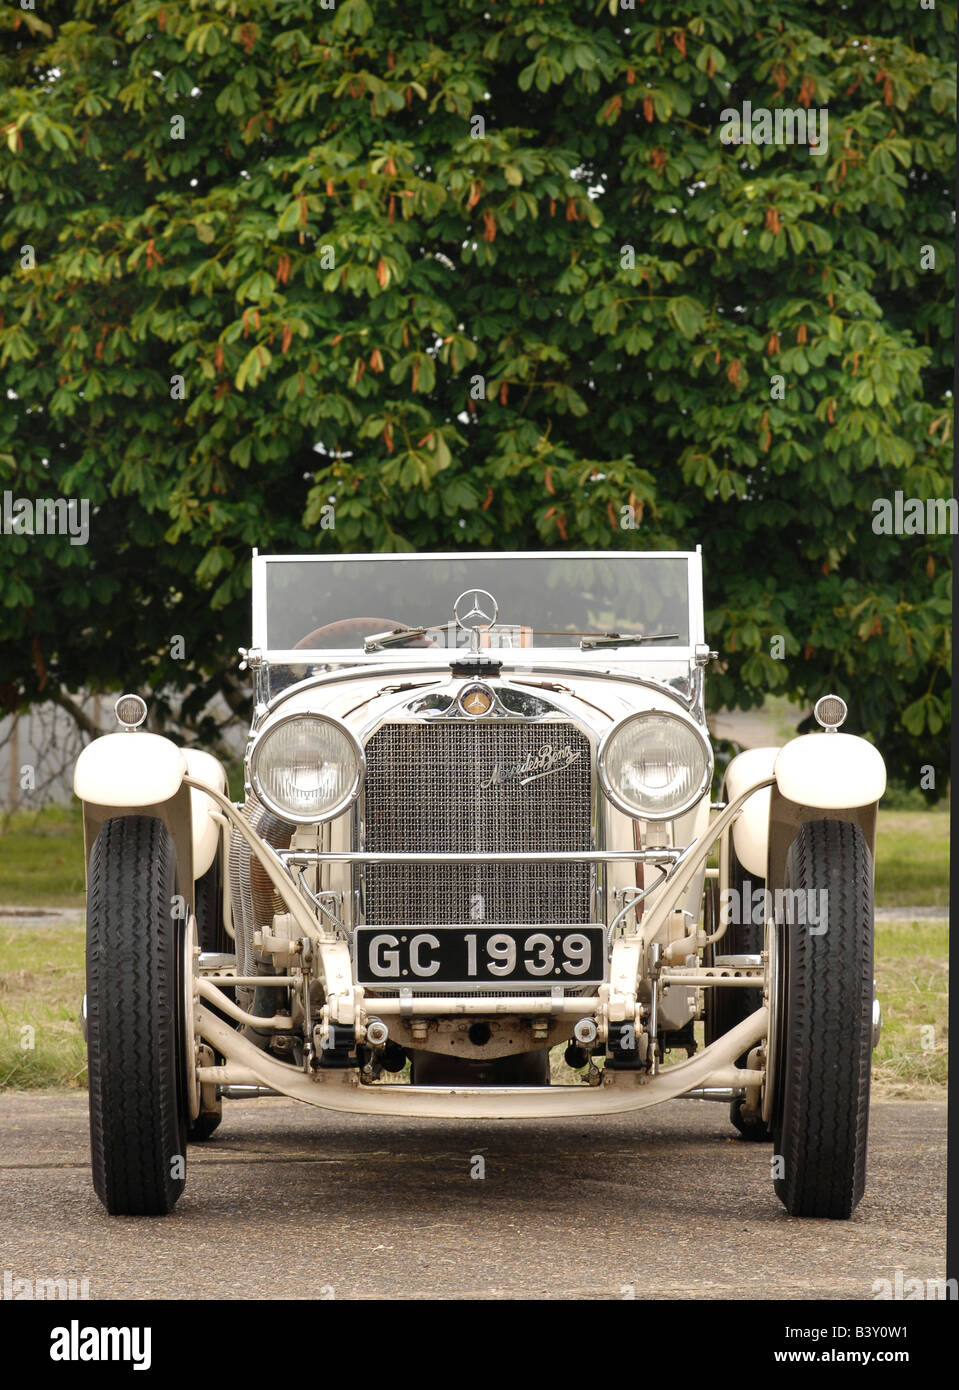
<point x="429" y="789"/>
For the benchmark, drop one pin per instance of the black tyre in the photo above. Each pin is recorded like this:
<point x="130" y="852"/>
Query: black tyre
<point x="210" y="931"/>
<point x="204" y="1125"/>
<point x="821" y="1105"/>
<point x="211" y="936"/>
<point x="727" y="1007"/>
<point x="744" y="937"/>
<point x="138" y="1120"/>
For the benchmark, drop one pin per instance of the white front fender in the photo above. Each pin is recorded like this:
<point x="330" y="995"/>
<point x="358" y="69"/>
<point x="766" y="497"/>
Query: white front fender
<point x="206" y="832"/>
<point x="129" y="769"/>
<point x="136" y="772"/>
<point x="831" y="771"/>
<point x="751" y="831"/>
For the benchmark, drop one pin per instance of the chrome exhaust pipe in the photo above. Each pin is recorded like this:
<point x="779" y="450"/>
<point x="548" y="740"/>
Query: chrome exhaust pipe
<point x="720" y="1093"/>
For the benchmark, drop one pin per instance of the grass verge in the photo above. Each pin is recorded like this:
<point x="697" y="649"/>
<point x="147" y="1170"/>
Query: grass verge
<point x="912" y="981"/>
<point x="41" y="858"/>
<point x="41" y="986"/>
<point x="912" y="858"/>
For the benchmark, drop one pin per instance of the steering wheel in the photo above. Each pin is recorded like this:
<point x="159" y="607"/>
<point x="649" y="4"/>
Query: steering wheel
<point x="332" y="634"/>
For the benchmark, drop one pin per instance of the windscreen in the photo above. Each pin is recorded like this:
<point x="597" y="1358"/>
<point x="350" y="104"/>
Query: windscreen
<point x="538" y="601"/>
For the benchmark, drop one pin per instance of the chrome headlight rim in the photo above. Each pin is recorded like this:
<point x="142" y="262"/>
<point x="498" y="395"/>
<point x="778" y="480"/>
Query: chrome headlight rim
<point x="692" y="800"/>
<point x="289" y="817"/>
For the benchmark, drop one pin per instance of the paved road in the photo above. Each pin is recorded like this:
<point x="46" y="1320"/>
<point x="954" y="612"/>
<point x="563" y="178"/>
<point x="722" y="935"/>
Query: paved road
<point x="287" y="1201"/>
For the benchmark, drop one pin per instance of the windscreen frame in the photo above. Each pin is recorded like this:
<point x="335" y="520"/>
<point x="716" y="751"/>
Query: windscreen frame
<point x="339" y="656"/>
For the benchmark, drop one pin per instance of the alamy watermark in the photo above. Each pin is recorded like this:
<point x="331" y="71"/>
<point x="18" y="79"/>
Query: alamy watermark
<point x="911" y="516"/>
<point x="45" y="516"/>
<point x="784" y="126"/>
<point x="14" y="1288"/>
<point x="898" y="1288"/>
<point x="804" y="907"/>
<point x="76" y="1343"/>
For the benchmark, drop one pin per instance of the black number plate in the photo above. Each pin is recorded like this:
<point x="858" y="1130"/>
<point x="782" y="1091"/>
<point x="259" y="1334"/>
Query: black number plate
<point x="480" y="956"/>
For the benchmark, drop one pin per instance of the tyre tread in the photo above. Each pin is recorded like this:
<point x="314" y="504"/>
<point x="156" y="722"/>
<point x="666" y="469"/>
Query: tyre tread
<point x="137" y="1123"/>
<point x="821" y="1131"/>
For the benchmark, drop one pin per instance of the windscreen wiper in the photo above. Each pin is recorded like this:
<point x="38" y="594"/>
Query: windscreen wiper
<point x="624" y="639"/>
<point x="378" y="641"/>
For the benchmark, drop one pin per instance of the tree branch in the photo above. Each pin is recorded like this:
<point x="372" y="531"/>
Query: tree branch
<point x="83" y="721"/>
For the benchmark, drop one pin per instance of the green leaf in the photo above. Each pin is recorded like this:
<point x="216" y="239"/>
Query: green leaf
<point x="252" y="367"/>
<point x="353" y="17"/>
<point x="914" y="717"/>
<point x="686" y="314"/>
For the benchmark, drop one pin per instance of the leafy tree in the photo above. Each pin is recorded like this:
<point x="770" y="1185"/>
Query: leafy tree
<point x="484" y="275"/>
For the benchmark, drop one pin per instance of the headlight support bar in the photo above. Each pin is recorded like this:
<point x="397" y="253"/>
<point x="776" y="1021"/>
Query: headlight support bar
<point x="685" y="868"/>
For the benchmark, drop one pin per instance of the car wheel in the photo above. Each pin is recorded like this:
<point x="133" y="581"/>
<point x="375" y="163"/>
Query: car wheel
<point x="138" y="1111"/>
<point x="821" y="1108"/>
<point x="727" y="1007"/>
<point x="204" y="1125"/>
<point x="211" y="936"/>
<point x="210" y="931"/>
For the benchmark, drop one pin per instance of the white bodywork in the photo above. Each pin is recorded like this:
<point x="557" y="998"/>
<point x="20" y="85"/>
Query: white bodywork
<point x="129" y="769"/>
<point x="835" y="771"/>
<point x="203" y="767"/>
<point x="751" y="830"/>
<point x="830" y="772"/>
<point x="133" y="770"/>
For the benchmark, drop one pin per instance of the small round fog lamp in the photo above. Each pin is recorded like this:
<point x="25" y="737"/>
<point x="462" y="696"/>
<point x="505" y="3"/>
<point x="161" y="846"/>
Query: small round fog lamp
<point x="829" y="712"/>
<point x="130" y="711"/>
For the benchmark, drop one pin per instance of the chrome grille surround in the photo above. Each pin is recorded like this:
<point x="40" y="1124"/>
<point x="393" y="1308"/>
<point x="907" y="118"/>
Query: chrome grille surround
<point x="425" y="792"/>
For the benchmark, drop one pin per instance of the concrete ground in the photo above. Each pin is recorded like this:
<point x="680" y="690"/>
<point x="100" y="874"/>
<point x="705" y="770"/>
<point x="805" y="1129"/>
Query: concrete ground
<point x="290" y="1202"/>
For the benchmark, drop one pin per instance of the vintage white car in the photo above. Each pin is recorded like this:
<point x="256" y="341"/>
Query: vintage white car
<point x="478" y="827"/>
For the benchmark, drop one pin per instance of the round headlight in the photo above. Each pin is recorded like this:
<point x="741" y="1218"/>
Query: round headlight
<point x="306" y="768"/>
<point x="655" y="766"/>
